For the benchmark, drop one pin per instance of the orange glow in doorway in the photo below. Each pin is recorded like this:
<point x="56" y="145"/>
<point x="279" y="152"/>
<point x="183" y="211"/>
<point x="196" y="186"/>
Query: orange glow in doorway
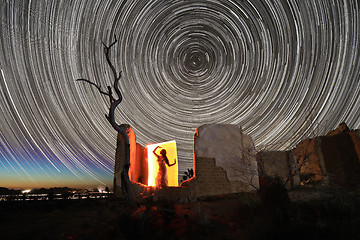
<point x="171" y="173"/>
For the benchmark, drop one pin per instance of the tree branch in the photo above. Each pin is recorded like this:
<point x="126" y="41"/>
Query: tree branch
<point x="116" y="77"/>
<point x="126" y="184"/>
<point x="97" y="86"/>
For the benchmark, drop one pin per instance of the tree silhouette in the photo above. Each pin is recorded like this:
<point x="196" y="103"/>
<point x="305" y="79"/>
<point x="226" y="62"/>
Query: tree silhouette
<point x="125" y="181"/>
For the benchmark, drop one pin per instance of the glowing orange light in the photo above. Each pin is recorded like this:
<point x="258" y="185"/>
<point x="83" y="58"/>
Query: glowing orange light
<point x="171" y="172"/>
<point x="133" y="162"/>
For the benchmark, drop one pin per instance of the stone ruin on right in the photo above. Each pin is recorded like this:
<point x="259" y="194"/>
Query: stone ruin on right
<point x="330" y="160"/>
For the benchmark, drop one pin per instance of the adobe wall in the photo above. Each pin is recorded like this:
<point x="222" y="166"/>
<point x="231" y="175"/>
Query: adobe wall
<point x="310" y="166"/>
<point x="341" y="159"/>
<point x="224" y="161"/>
<point x="209" y="179"/>
<point x="277" y="164"/>
<point x="120" y="160"/>
<point x="333" y="159"/>
<point x="138" y="171"/>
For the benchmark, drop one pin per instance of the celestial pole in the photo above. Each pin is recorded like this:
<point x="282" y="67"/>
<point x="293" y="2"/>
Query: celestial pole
<point x="282" y="70"/>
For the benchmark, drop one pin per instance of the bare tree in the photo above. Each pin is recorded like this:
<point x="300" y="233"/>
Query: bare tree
<point x="125" y="181"/>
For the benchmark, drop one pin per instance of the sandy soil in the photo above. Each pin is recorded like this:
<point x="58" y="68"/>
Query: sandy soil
<point x="224" y="217"/>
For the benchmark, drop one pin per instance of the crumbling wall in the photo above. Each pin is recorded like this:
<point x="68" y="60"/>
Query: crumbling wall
<point x="310" y="167"/>
<point x="133" y="173"/>
<point x="138" y="171"/>
<point x="341" y="159"/>
<point x="120" y="160"/>
<point x="224" y="161"/>
<point x="141" y="166"/>
<point x="209" y="179"/>
<point x="355" y="137"/>
<point x="333" y="159"/>
<point x="277" y="164"/>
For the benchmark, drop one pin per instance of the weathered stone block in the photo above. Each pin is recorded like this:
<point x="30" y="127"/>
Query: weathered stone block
<point x="341" y="159"/>
<point x="355" y="137"/>
<point x="310" y="166"/>
<point x="277" y="164"/>
<point x="209" y="179"/>
<point x="330" y="160"/>
<point x="233" y="165"/>
<point x="120" y="160"/>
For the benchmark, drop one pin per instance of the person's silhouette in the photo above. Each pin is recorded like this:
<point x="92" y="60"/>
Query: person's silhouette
<point x="161" y="177"/>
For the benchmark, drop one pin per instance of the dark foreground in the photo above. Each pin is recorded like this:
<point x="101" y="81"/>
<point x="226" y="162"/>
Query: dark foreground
<point x="239" y="216"/>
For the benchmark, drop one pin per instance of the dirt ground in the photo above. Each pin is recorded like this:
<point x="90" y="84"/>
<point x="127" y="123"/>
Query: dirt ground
<point x="224" y="217"/>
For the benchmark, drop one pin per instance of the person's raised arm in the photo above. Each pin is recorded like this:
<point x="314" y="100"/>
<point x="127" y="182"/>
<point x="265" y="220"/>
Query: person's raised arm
<point x="167" y="162"/>
<point x="155" y="151"/>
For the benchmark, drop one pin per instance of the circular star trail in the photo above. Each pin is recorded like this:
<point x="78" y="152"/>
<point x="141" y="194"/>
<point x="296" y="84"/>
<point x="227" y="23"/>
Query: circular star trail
<point x="282" y="70"/>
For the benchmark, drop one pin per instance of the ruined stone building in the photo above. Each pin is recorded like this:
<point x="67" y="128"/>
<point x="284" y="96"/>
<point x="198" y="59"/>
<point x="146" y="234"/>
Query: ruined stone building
<point x="225" y="162"/>
<point x="331" y="160"/>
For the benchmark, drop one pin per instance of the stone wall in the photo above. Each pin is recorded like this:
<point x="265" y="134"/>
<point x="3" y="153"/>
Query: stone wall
<point x="224" y="161"/>
<point x="120" y="160"/>
<point x="333" y="159"/>
<point x="310" y="166"/>
<point x="340" y="159"/>
<point x="209" y="179"/>
<point x="277" y="164"/>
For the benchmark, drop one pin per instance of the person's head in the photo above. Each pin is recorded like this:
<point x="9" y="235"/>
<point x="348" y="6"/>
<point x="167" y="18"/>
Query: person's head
<point x="163" y="152"/>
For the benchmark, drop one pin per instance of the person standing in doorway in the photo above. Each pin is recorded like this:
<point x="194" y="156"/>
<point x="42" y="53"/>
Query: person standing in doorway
<point x="161" y="177"/>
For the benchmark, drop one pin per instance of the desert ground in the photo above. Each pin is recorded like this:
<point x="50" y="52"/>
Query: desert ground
<point x="276" y="214"/>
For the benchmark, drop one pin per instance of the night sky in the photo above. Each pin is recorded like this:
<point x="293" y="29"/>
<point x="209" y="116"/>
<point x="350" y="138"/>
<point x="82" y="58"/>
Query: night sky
<point x="283" y="70"/>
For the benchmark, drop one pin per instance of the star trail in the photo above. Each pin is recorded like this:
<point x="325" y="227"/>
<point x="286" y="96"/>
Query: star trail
<point x="283" y="70"/>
